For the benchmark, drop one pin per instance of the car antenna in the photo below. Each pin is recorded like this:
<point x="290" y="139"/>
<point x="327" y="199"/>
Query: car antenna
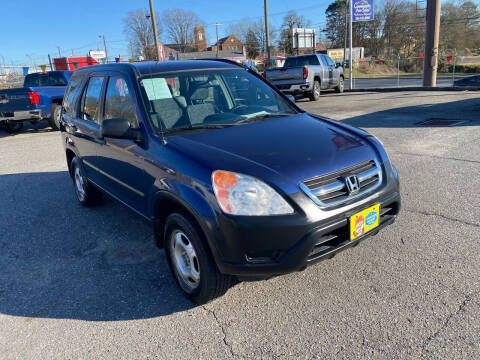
<point x="162" y="133"/>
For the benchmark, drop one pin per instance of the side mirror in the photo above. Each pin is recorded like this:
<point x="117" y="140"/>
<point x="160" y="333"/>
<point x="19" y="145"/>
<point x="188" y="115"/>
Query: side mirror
<point x="290" y="97"/>
<point x="337" y="65"/>
<point x="120" y="129"/>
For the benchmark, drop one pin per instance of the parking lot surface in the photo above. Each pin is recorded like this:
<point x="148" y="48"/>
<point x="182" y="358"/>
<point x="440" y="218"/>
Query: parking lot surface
<point x="79" y="283"/>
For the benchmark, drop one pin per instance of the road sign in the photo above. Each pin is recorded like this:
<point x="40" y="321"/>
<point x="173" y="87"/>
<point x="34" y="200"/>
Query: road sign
<point x="362" y="10"/>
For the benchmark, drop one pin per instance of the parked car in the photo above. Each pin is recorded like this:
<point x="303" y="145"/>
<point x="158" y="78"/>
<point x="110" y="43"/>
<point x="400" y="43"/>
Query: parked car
<point x="307" y="75"/>
<point x="40" y="98"/>
<point x="468" y="81"/>
<point x="235" y="178"/>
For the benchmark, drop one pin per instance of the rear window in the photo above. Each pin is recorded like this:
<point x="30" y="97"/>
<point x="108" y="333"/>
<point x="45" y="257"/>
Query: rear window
<point x="48" y="79"/>
<point x="301" y="61"/>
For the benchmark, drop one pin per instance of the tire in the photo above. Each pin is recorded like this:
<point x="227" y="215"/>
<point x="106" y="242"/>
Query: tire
<point x="315" y="93"/>
<point x="341" y="85"/>
<point x="87" y="195"/>
<point x="13" y="126"/>
<point x="190" y="261"/>
<point x="54" y="119"/>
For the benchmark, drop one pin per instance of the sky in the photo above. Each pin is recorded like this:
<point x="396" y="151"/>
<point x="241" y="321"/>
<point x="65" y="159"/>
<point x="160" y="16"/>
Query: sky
<point x="31" y="29"/>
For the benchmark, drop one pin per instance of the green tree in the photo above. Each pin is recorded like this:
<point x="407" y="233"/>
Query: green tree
<point x="252" y="44"/>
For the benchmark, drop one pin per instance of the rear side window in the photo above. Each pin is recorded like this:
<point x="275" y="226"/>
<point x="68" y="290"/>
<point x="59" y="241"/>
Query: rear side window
<point x="71" y="95"/>
<point x="324" y="60"/>
<point x="301" y="61"/>
<point x="329" y="61"/>
<point x="119" y="102"/>
<point x="90" y="106"/>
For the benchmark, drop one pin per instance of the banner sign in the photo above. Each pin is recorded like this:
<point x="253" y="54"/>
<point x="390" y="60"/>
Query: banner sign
<point x="25" y="70"/>
<point x="362" y="10"/>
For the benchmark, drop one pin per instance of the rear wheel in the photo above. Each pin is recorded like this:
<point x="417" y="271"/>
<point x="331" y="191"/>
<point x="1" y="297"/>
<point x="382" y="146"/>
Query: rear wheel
<point x="341" y="85"/>
<point x="315" y="93"/>
<point x="87" y="195"/>
<point x="190" y="261"/>
<point x="54" y="120"/>
<point x="13" y="126"/>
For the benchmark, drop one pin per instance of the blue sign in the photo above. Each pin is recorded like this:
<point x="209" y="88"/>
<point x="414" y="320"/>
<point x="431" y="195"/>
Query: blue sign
<point x="25" y="70"/>
<point x="362" y="10"/>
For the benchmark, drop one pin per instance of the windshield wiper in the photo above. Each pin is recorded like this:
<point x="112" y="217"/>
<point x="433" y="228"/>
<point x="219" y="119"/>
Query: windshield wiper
<point x="198" y="127"/>
<point x="261" y="117"/>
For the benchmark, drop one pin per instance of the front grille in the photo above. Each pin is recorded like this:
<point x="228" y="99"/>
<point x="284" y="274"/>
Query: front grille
<point x="331" y="189"/>
<point x="330" y="241"/>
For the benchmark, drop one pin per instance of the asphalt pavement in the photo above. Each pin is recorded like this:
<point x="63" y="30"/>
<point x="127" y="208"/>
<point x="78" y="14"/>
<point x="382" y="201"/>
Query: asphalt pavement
<point x="79" y="283"/>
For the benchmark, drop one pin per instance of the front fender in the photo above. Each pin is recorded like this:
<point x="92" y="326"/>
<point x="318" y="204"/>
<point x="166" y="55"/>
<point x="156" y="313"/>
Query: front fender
<point x="197" y="206"/>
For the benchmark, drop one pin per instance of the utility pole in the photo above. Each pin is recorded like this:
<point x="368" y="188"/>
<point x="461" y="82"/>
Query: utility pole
<point x="346" y="33"/>
<point x="155" y="31"/>
<point x="350" y="57"/>
<point x="430" y="62"/>
<point x="216" y="29"/>
<point x="105" y="47"/>
<point x="267" y="32"/>
<point x="59" y="53"/>
<point x="50" y="61"/>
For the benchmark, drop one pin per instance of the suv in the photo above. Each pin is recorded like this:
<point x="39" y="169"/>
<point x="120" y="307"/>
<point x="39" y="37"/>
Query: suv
<point x="237" y="181"/>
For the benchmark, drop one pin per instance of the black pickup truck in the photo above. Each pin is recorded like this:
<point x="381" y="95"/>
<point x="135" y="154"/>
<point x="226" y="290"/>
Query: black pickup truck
<point x="40" y="98"/>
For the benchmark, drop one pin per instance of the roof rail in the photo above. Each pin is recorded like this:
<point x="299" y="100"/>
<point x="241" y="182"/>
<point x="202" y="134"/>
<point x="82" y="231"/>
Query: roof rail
<point x="228" y="61"/>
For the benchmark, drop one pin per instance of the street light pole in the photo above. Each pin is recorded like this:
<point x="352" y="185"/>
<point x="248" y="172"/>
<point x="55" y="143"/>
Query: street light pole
<point x="155" y="31"/>
<point x="32" y="62"/>
<point x="216" y="29"/>
<point x="350" y="58"/>
<point x="105" y="47"/>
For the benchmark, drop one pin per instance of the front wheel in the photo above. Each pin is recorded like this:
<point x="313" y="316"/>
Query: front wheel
<point x="54" y="120"/>
<point x="341" y="85"/>
<point x="190" y="261"/>
<point x="315" y="93"/>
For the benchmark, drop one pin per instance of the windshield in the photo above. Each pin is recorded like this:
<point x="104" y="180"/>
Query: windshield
<point x="208" y="98"/>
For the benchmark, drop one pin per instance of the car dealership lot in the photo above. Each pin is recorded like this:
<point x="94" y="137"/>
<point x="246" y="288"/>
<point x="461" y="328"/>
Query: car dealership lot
<point x="88" y="283"/>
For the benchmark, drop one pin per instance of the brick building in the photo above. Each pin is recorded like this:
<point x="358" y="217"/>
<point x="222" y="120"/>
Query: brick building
<point x="228" y="43"/>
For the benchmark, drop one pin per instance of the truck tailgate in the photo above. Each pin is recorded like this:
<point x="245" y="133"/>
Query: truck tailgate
<point x="15" y="100"/>
<point x="290" y="75"/>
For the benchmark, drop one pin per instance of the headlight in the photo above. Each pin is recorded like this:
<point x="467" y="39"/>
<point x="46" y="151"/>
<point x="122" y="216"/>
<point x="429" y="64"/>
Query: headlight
<point x="239" y="194"/>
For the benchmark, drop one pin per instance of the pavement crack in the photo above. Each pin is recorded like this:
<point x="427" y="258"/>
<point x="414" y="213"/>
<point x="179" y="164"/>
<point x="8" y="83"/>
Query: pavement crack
<point x="437" y="157"/>
<point x="227" y="344"/>
<point x="445" y="323"/>
<point x="440" y="215"/>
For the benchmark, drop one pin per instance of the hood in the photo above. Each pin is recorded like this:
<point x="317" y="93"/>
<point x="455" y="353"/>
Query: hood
<point x="296" y="147"/>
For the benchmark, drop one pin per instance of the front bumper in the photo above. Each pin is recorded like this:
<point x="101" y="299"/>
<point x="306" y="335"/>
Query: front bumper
<point x="291" y="244"/>
<point x="26" y="115"/>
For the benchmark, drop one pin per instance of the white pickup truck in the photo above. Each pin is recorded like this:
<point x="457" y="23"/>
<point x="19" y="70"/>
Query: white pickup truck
<point x="307" y="75"/>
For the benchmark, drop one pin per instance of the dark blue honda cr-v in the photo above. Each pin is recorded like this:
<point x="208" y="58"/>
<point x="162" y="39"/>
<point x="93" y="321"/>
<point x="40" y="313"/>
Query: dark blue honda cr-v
<point x="236" y="179"/>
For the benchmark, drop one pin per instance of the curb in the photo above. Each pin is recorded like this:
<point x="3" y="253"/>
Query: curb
<point x="415" y="88"/>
